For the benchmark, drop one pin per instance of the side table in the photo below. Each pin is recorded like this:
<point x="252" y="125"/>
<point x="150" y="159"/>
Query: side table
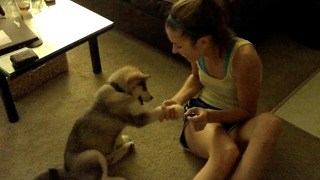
<point x="62" y="27"/>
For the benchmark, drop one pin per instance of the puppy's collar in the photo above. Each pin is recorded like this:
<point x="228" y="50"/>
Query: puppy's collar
<point x="119" y="89"/>
<point x="116" y="87"/>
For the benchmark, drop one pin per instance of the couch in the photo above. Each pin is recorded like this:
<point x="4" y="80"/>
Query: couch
<point x="144" y="19"/>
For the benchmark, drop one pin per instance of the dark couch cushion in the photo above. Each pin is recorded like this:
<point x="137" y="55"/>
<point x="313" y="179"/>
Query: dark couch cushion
<point x="249" y="17"/>
<point x="157" y="8"/>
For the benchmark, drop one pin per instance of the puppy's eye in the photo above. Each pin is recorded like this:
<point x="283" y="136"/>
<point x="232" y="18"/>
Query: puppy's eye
<point x="143" y="84"/>
<point x="178" y="46"/>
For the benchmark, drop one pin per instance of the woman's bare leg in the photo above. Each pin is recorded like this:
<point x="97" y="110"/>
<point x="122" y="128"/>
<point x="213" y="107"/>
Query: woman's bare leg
<point x="261" y="134"/>
<point x="213" y="143"/>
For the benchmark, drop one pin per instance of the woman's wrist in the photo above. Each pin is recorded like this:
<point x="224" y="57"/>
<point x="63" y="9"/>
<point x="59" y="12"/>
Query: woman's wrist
<point x="210" y="115"/>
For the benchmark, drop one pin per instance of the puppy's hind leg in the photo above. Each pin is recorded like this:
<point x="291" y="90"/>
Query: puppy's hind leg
<point x="120" y="151"/>
<point x="91" y="164"/>
<point x="121" y="139"/>
<point x="114" y="178"/>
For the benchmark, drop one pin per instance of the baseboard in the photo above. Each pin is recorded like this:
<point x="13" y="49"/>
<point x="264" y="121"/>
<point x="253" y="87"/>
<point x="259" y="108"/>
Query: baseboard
<point x="295" y="91"/>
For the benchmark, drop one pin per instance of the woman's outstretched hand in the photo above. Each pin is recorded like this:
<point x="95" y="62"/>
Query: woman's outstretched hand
<point x="171" y="110"/>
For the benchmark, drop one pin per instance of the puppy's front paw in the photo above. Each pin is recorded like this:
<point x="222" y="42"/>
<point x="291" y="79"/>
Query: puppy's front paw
<point x="179" y="110"/>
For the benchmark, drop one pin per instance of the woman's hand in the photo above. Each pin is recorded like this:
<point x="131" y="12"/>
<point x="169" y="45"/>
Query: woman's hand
<point x="197" y="118"/>
<point x="171" y="110"/>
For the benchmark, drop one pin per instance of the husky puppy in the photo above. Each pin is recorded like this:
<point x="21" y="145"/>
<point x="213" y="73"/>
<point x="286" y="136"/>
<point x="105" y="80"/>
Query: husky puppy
<point x="95" y="140"/>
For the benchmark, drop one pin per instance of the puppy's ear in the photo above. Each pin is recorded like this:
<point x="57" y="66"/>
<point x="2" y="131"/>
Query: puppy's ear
<point x="136" y="79"/>
<point x="145" y="76"/>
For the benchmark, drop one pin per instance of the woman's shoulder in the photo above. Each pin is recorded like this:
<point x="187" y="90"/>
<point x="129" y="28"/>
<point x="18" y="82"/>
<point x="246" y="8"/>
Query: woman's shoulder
<point x="245" y="49"/>
<point x="246" y="56"/>
<point x="241" y="41"/>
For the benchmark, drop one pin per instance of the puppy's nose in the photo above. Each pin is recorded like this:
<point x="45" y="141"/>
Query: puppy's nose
<point x="151" y="97"/>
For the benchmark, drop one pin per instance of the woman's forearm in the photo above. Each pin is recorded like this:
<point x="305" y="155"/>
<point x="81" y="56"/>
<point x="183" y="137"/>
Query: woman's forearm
<point x="190" y="88"/>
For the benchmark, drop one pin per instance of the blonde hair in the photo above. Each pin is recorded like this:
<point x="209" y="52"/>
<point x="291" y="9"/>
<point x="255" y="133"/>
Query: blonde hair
<point x="198" y="18"/>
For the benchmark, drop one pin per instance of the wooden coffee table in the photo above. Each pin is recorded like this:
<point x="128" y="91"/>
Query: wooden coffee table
<point x="62" y="27"/>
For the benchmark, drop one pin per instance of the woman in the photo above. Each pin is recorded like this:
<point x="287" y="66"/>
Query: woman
<point x="221" y="123"/>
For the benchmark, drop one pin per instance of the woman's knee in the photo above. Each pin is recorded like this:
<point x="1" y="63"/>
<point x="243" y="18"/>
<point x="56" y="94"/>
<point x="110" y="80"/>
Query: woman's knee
<point x="231" y="151"/>
<point x="229" y="156"/>
<point x="225" y="149"/>
<point x="268" y="123"/>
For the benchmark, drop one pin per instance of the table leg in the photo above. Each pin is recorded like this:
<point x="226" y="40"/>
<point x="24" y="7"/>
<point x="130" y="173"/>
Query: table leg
<point x="7" y="100"/>
<point x="95" y="56"/>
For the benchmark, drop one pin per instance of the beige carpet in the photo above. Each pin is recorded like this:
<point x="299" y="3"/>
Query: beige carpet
<point x="37" y="141"/>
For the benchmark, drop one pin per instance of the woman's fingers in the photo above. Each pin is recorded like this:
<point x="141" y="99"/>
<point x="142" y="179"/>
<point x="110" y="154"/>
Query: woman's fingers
<point x="172" y="112"/>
